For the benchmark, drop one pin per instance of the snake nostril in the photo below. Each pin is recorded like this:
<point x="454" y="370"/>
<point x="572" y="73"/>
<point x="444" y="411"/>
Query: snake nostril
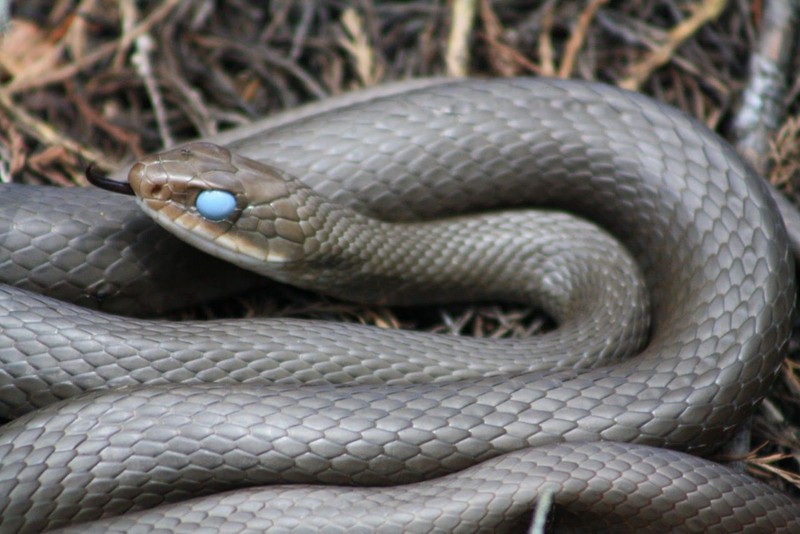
<point x="155" y="190"/>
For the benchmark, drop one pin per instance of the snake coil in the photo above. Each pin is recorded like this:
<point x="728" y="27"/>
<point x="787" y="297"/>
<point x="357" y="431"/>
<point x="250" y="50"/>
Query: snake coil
<point x="701" y="226"/>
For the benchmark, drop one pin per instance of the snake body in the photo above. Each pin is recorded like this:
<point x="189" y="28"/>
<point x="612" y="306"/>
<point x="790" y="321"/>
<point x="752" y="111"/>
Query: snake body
<point x="701" y="225"/>
<point x="496" y="495"/>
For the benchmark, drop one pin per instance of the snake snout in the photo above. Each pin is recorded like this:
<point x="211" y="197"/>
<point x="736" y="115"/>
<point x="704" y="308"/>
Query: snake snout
<point x="142" y="187"/>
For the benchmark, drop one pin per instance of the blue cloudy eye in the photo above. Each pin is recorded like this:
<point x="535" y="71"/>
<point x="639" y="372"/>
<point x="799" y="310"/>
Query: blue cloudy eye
<point x="215" y="205"/>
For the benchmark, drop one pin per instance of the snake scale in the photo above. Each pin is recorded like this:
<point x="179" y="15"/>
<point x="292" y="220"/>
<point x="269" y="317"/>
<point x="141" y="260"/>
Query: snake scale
<point x="701" y="226"/>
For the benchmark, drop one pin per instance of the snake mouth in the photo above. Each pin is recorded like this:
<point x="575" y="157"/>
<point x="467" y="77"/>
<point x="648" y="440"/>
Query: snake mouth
<point x="98" y="179"/>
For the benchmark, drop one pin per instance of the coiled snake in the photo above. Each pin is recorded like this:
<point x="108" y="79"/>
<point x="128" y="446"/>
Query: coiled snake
<point x="700" y="225"/>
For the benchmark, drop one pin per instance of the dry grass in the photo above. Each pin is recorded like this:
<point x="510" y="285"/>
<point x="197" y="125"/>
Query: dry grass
<point x="107" y="80"/>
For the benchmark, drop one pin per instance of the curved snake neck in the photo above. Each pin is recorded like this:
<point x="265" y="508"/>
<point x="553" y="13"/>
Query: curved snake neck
<point x="699" y="223"/>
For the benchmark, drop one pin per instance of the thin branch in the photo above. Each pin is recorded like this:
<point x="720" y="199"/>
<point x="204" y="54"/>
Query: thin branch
<point x="144" y="68"/>
<point x="462" y="20"/>
<point x="762" y="109"/>
<point x="706" y="11"/>
<point x="578" y="37"/>
<point x="546" y="51"/>
<point x="356" y="42"/>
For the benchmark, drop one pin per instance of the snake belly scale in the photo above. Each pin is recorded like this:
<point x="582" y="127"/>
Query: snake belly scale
<point x="699" y="223"/>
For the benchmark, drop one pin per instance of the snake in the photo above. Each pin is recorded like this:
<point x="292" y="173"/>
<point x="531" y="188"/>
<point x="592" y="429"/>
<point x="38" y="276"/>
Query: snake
<point x="116" y="414"/>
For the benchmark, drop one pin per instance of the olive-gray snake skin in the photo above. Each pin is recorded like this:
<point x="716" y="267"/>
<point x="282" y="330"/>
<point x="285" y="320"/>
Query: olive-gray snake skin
<point x="702" y="227"/>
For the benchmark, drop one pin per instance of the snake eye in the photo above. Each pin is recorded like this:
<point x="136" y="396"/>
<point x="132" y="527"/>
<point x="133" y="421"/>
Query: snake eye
<point x="215" y="204"/>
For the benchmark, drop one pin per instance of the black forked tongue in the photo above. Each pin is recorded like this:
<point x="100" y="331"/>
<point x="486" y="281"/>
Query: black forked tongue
<point x="98" y="179"/>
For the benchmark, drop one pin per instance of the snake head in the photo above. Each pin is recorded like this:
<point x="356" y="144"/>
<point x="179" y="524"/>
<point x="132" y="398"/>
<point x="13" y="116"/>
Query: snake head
<point x="242" y="210"/>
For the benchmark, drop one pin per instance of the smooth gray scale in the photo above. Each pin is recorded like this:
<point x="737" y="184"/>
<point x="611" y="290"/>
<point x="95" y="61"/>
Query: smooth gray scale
<point x="702" y="227"/>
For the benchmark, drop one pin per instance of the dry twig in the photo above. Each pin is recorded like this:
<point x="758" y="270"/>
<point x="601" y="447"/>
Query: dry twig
<point x="763" y="109"/>
<point x="706" y="11"/>
<point x="578" y="36"/>
<point x="48" y="135"/>
<point x="28" y="82"/>
<point x="462" y="19"/>
<point x="356" y="42"/>
<point x="766" y="465"/>
<point x="546" y="50"/>
<point x="505" y="60"/>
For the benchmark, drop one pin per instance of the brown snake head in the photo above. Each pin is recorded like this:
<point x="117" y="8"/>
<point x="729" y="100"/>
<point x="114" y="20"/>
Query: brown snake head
<point x="234" y="207"/>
